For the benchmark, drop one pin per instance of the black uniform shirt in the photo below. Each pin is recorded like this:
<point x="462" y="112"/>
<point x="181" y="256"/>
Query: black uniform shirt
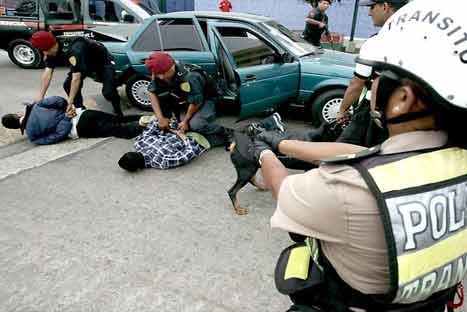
<point x="184" y="87"/>
<point x="59" y="59"/>
<point x="317" y="15"/>
<point x="82" y="56"/>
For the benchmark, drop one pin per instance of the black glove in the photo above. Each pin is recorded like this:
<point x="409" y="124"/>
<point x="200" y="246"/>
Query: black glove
<point x="258" y="147"/>
<point x="273" y="138"/>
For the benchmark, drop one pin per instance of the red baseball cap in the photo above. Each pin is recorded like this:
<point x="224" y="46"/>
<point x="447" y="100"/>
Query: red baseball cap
<point x="159" y="63"/>
<point x="43" y="40"/>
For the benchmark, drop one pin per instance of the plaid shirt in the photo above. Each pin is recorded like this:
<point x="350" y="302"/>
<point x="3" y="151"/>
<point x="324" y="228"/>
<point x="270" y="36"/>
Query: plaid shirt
<point x="165" y="150"/>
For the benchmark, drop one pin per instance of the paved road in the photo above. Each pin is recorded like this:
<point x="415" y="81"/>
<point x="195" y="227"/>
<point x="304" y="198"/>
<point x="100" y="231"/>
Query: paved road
<point x="77" y="233"/>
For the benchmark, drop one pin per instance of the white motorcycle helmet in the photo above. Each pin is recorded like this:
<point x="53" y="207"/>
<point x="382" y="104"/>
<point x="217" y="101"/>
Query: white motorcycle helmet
<point x="426" y="40"/>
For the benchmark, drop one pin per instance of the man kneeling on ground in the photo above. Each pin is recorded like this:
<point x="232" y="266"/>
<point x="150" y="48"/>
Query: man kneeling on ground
<point x="48" y="122"/>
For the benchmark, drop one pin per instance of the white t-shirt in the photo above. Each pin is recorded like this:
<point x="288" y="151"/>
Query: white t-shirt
<point x="364" y="71"/>
<point x="74" y="122"/>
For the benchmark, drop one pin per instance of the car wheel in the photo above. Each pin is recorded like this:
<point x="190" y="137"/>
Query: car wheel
<point x="137" y="92"/>
<point x="326" y="106"/>
<point x="23" y="54"/>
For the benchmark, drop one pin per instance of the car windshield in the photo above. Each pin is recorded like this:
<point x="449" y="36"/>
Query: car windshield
<point x="133" y="7"/>
<point x="150" y="6"/>
<point x="298" y="46"/>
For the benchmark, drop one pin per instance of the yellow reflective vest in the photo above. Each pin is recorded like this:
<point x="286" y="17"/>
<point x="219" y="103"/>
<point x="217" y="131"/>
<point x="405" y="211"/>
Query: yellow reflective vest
<point x="422" y="197"/>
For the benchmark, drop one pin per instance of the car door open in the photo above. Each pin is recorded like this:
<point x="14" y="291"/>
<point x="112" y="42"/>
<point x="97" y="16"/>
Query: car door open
<point x="263" y="80"/>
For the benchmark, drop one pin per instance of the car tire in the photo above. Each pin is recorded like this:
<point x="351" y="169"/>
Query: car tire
<point x="23" y="54"/>
<point x="326" y="106"/>
<point x="137" y="92"/>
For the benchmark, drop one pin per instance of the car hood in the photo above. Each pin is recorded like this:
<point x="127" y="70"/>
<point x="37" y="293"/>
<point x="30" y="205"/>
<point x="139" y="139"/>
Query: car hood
<point x="329" y="63"/>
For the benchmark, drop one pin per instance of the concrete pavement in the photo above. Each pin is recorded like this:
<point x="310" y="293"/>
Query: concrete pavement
<point x="80" y="234"/>
<point x="77" y="233"/>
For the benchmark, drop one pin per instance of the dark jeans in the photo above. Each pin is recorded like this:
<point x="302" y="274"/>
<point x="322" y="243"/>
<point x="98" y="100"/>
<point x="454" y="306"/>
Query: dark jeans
<point x="97" y="124"/>
<point x="109" y="90"/>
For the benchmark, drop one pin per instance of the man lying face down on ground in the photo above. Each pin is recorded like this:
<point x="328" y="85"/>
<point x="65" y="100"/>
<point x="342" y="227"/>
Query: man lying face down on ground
<point x="48" y="122"/>
<point x="159" y="149"/>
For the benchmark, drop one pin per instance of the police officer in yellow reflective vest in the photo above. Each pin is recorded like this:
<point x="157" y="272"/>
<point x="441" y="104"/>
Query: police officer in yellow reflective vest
<point x="389" y="223"/>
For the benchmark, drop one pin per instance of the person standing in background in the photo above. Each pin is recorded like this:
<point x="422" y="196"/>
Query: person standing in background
<point x="225" y="6"/>
<point x="316" y="23"/>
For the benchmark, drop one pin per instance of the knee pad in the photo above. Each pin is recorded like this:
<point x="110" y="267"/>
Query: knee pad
<point x="132" y="161"/>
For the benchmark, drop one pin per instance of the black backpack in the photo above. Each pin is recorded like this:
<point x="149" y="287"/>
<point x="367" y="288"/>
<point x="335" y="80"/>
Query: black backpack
<point x="211" y="88"/>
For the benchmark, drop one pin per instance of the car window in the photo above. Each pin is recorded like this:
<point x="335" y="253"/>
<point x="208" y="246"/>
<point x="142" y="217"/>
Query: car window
<point x="149" y="6"/>
<point x="109" y="11"/>
<point x="225" y="67"/>
<point x="23" y="8"/>
<point x="61" y="9"/>
<point x="247" y="48"/>
<point x="177" y="34"/>
<point x="287" y="38"/>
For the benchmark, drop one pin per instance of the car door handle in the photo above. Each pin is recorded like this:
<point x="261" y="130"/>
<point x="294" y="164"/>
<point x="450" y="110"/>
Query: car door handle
<point x="250" y="78"/>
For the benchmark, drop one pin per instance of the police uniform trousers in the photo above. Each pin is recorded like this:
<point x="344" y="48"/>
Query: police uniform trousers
<point x="204" y="122"/>
<point x="105" y="75"/>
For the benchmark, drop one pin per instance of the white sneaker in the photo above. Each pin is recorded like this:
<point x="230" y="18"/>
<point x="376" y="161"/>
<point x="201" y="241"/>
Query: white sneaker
<point x="145" y="120"/>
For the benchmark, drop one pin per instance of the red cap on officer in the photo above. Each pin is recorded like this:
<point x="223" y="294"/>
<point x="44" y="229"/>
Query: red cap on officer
<point x="43" y="40"/>
<point x="159" y="63"/>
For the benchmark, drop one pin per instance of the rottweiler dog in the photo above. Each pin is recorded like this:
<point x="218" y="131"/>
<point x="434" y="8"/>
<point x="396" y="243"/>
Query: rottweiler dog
<point x="246" y="166"/>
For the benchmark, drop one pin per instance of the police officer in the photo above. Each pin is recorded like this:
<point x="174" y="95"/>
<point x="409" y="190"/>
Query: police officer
<point x="391" y="220"/>
<point x="85" y="58"/>
<point x="175" y="86"/>
<point x="359" y="130"/>
<point x="316" y="23"/>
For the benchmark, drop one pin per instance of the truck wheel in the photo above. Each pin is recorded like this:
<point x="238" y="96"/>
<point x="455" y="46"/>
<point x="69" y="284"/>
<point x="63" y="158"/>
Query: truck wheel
<point x="137" y="92"/>
<point x="23" y="54"/>
<point x="326" y="106"/>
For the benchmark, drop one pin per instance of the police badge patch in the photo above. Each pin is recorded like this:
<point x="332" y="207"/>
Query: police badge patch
<point x="185" y="86"/>
<point x="72" y="60"/>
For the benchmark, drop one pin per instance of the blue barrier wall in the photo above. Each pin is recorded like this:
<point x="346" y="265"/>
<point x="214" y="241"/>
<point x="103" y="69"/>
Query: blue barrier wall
<point x="180" y="5"/>
<point x="292" y="13"/>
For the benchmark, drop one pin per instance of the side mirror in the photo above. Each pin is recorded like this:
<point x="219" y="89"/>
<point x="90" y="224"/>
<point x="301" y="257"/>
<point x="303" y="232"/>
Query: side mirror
<point x="287" y="58"/>
<point x="284" y="57"/>
<point x="127" y="18"/>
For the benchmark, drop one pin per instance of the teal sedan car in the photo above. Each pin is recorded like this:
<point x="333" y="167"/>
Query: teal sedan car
<point x="259" y="64"/>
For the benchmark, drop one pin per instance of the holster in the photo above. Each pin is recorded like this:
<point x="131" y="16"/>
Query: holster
<point x="298" y="268"/>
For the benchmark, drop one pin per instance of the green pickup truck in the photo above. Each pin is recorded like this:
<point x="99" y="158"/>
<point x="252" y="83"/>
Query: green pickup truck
<point x="260" y="64"/>
<point x="109" y="20"/>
